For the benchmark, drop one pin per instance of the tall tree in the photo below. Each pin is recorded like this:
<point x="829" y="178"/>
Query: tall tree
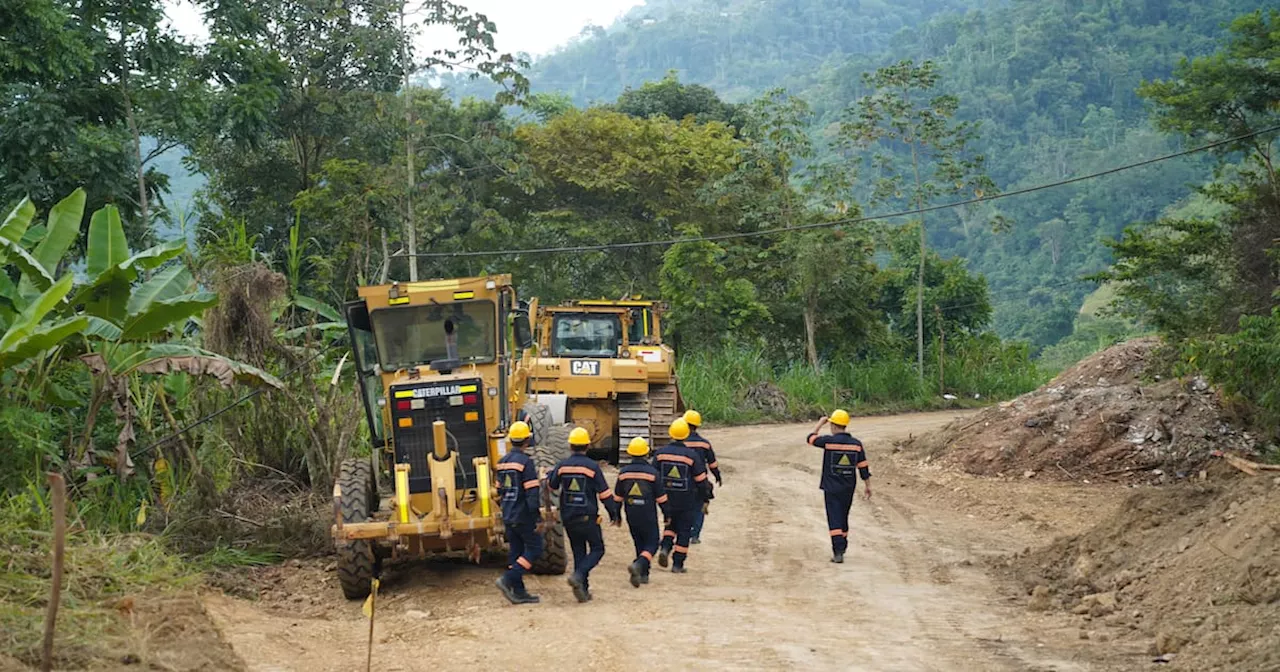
<point x="1230" y="93"/>
<point x="298" y="82"/>
<point x="153" y="72"/>
<point x="80" y="85"/>
<point x="902" y="115"/>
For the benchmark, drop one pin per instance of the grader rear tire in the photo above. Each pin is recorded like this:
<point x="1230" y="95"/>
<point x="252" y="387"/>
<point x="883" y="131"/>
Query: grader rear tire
<point x="539" y="418"/>
<point x="552" y="447"/>
<point x="357" y="563"/>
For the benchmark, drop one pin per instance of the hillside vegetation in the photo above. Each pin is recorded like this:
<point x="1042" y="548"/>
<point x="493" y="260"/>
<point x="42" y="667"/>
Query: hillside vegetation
<point x="1053" y="85"/>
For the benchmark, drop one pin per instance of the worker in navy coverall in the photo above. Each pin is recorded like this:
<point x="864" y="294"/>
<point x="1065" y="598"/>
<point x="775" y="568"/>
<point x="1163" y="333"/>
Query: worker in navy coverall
<point x="843" y="460"/>
<point x="518" y="493"/>
<point x="582" y="487"/>
<point x="639" y="490"/>
<point x="684" y="479"/>
<point x="696" y="442"/>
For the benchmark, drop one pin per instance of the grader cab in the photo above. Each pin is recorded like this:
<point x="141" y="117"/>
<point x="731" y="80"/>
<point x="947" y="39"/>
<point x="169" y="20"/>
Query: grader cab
<point x="608" y="362"/>
<point x="441" y="380"/>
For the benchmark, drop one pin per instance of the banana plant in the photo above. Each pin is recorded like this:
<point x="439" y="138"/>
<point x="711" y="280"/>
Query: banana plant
<point x="125" y="319"/>
<point x="130" y="325"/>
<point x="333" y="320"/>
<point x="33" y="315"/>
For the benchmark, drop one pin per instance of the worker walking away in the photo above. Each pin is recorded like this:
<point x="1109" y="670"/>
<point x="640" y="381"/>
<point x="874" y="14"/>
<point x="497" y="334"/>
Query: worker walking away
<point x="684" y="480"/>
<point x="519" y="494"/>
<point x="582" y="486"/>
<point x="696" y="442"/>
<point x="843" y="460"/>
<point x="639" y="490"/>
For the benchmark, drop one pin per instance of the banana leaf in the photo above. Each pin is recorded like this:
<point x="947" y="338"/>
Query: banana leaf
<point x="159" y="315"/>
<point x="107" y="244"/>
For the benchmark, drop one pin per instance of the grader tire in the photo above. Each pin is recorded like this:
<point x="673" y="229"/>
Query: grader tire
<point x="552" y="447"/>
<point x="554" y="560"/>
<point x="539" y="418"/>
<point x="357" y="562"/>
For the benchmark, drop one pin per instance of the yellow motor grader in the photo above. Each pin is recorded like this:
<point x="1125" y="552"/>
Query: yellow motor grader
<point x="441" y="378"/>
<point x="607" y="361"/>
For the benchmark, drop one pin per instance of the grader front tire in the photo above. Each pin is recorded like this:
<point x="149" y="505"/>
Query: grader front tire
<point x="357" y="563"/>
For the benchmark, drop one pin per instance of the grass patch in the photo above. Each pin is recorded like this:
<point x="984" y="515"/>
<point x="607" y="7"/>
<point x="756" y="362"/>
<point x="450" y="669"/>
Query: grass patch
<point x="102" y="572"/>
<point x="726" y="385"/>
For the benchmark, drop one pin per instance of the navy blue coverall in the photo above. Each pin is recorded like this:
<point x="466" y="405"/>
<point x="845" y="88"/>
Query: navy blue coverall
<point x="843" y="460"/>
<point x="582" y="486"/>
<point x="684" y="479"/>
<point x="639" y="490"/>
<point x="696" y="442"/>
<point x="519" y="495"/>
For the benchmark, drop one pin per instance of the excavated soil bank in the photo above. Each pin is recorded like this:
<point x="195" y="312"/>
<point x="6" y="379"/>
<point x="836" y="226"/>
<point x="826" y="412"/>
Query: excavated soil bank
<point x="1101" y="419"/>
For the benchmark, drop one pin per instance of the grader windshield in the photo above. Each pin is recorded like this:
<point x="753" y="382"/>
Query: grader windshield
<point x="415" y="335"/>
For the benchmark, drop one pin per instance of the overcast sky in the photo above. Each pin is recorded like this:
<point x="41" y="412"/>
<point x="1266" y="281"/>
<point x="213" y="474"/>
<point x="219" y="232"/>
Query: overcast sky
<point x="534" y="26"/>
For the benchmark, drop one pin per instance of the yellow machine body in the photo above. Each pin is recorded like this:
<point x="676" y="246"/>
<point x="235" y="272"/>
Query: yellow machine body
<point x="608" y="360"/>
<point x="438" y="412"/>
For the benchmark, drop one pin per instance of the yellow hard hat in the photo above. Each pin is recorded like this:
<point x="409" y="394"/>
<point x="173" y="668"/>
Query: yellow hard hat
<point x="679" y="429"/>
<point x="638" y="447"/>
<point x="579" y="437"/>
<point x="840" y="417"/>
<point x="519" y="431"/>
<point x="693" y="418"/>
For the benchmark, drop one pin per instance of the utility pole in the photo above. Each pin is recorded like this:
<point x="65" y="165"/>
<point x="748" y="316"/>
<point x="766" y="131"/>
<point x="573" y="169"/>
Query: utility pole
<point x="410" y="230"/>
<point x="915" y="166"/>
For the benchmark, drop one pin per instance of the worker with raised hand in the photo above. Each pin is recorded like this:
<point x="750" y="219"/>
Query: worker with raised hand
<point x="684" y="480"/>
<point x="639" y="490"/>
<point x="519" y="495"/>
<point x="843" y="460"/>
<point x="696" y="442"/>
<point x="582" y="486"/>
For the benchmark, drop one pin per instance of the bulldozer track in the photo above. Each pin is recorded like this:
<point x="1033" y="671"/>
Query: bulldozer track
<point x="665" y="405"/>
<point x="633" y="417"/>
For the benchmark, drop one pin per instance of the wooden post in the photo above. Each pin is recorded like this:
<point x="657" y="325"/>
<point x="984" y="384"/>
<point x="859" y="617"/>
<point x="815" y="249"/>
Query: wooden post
<point x="58" y="489"/>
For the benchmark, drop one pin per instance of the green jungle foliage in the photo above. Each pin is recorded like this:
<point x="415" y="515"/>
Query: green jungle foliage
<point x="1052" y="83"/>
<point x="295" y="116"/>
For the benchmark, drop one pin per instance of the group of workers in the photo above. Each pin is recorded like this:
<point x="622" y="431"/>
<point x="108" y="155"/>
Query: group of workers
<point x="675" y="480"/>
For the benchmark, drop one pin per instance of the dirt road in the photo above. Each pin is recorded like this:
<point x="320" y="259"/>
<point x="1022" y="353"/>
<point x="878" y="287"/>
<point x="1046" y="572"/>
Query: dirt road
<point x="760" y="593"/>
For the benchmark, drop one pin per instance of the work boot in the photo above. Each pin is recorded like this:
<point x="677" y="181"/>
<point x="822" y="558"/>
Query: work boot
<point x="678" y="569"/>
<point x="579" y="588"/>
<point x="508" y="591"/>
<point x="637" y="574"/>
<point x="838" y="558"/>
<point x="644" y="578"/>
<point x="663" y="554"/>
<point x="526" y="598"/>
<point x="695" y="540"/>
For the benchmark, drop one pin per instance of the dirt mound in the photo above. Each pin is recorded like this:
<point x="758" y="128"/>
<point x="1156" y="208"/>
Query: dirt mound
<point x="1188" y="574"/>
<point x="1099" y="419"/>
<point x="766" y="398"/>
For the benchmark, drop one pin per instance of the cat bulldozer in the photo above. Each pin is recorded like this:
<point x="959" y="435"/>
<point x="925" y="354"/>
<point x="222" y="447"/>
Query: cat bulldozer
<point x="442" y="376"/>
<point x="607" y="363"/>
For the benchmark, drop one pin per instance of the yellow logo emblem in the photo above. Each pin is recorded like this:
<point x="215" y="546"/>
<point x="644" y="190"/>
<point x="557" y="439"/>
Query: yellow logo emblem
<point x="674" y="473"/>
<point x="573" y="485"/>
<point x="844" y="461"/>
<point x="635" y="490"/>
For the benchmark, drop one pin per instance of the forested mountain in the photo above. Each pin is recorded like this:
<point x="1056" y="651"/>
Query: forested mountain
<point x="1052" y="82"/>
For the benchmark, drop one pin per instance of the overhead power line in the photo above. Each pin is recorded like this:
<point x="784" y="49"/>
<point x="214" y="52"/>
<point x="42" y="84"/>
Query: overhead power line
<point x="840" y="222"/>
